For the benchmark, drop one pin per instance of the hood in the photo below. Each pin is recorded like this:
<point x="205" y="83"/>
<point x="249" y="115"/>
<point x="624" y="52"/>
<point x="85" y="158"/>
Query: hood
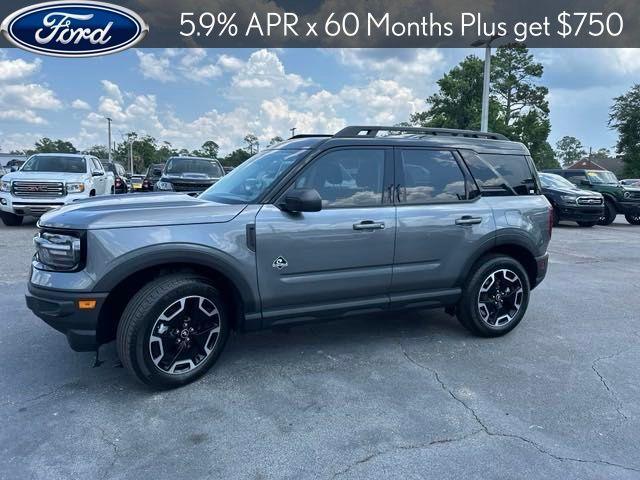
<point x="136" y="210"/>
<point x="44" y="176"/>
<point x="194" y="177"/>
<point x="574" y="191"/>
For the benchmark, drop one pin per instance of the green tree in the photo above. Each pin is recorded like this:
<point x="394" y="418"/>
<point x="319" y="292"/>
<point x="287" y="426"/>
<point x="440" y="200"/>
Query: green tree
<point x="518" y="107"/>
<point x="252" y="142"/>
<point x="569" y="150"/>
<point x="99" y="151"/>
<point x="601" y="153"/>
<point x="275" y="140"/>
<point x="209" y="149"/>
<point x="625" y="118"/>
<point x="236" y="157"/>
<point x="46" y="145"/>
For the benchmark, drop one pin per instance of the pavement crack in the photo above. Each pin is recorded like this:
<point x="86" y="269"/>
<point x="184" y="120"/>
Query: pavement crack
<point x="521" y="438"/>
<point x="115" y="448"/>
<point x="603" y="380"/>
<point x="394" y="448"/>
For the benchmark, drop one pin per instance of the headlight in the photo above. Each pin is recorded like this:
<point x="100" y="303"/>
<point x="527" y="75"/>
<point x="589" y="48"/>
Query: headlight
<point x="75" y="187"/>
<point x="164" y="185"/>
<point x="569" y="198"/>
<point x="5" y="186"/>
<point x="58" y="252"/>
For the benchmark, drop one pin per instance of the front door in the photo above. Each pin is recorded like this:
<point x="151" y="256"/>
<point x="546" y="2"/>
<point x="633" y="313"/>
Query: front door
<point x="442" y="222"/>
<point x="339" y="258"/>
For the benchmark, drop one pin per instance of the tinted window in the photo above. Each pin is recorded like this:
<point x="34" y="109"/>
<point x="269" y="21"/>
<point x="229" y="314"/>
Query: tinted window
<point x="431" y="176"/>
<point x="576" y="177"/>
<point x="346" y="178"/>
<point x="193" y="165"/>
<point x="42" y="163"/>
<point x="492" y="172"/>
<point x="550" y="180"/>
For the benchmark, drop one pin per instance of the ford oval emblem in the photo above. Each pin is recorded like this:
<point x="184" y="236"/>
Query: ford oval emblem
<point x="74" y="29"/>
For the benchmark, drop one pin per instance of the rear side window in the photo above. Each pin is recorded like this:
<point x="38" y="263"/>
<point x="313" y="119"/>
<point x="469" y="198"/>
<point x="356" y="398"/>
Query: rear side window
<point x="430" y="176"/>
<point x="498" y="174"/>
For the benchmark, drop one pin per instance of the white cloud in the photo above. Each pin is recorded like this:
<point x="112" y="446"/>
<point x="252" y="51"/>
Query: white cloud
<point x="80" y="105"/>
<point x="18" y="69"/>
<point x="156" y="67"/>
<point x="172" y="64"/>
<point x="28" y="116"/>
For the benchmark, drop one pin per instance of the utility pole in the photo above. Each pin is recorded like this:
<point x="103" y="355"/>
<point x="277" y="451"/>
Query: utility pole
<point x="486" y="84"/>
<point x="131" y="155"/>
<point x="293" y="131"/>
<point x="109" y="132"/>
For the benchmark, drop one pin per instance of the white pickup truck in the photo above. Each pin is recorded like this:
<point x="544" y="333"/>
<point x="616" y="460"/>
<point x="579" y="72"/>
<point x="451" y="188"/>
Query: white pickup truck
<point x="50" y="180"/>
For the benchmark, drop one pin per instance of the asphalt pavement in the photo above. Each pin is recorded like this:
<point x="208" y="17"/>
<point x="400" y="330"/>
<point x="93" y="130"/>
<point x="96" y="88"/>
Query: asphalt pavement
<point x="408" y="395"/>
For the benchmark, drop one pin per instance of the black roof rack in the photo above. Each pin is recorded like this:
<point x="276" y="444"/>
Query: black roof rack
<point x="310" y="135"/>
<point x="372" y="131"/>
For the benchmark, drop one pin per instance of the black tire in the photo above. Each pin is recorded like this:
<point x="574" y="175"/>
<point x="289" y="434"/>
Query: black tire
<point x="11" y="219"/>
<point x="587" y="224"/>
<point x="139" y="321"/>
<point x="633" y="219"/>
<point x="609" y="213"/>
<point x="469" y="311"/>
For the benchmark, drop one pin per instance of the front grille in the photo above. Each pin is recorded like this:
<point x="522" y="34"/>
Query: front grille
<point x="634" y="195"/>
<point x="589" y="201"/>
<point x="190" y="187"/>
<point x="38" y="189"/>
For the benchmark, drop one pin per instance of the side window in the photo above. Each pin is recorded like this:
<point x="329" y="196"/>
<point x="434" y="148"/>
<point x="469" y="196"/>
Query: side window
<point x="96" y="165"/>
<point x="576" y="178"/>
<point x="492" y="171"/>
<point x="347" y="178"/>
<point x="431" y="176"/>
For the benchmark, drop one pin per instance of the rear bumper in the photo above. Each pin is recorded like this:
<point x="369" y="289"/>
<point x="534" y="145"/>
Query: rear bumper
<point x="60" y="310"/>
<point x="542" y="266"/>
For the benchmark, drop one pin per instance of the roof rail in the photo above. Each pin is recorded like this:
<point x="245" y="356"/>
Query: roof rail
<point x="372" y="131"/>
<point x="310" y="135"/>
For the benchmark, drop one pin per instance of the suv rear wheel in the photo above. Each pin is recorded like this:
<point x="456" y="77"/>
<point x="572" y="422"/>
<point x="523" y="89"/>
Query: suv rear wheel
<point x="173" y="330"/>
<point x="11" y="219"/>
<point x="609" y="213"/>
<point x="495" y="297"/>
<point x="633" y="219"/>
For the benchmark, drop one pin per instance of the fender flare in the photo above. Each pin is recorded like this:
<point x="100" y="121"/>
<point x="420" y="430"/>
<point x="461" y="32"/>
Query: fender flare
<point x="159" y="255"/>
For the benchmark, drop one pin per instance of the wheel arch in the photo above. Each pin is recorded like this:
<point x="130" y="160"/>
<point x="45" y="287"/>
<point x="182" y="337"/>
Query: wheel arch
<point x="135" y="270"/>
<point x="515" y="245"/>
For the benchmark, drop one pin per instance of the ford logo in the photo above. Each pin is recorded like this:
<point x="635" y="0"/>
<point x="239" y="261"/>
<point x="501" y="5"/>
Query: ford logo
<point x="74" y="29"/>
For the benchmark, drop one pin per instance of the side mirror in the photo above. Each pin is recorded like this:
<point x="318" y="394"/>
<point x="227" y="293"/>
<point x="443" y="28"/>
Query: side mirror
<point x="302" y="200"/>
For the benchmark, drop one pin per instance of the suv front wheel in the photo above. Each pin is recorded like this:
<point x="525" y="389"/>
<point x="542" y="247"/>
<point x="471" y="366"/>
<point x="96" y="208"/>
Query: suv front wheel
<point x="609" y="213"/>
<point x="173" y="330"/>
<point x="495" y="297"/>
<point x="633" y="219"/>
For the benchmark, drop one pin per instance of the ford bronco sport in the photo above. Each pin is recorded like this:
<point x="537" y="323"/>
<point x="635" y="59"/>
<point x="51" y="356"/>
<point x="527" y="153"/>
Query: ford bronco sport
<point x="316" y="227"/>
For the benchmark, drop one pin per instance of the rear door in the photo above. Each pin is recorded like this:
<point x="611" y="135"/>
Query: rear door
<point x="339" y="258"/>
<point x="442" y="222"/>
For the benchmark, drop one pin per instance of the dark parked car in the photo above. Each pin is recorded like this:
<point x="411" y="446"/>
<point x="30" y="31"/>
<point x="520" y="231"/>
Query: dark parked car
<point x="317" y="227"/>
<point x="189" y="174"/>
<point x="227" y="169"/>
<point x="571" y="203"/>
<point x="121" y="183"/>
<point x="154" y="172"/>
<point x="631" y="182"/>
<point x="617" y="198"/>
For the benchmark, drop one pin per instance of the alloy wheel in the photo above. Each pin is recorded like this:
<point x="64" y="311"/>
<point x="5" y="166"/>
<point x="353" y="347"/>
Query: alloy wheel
<point x="184" y="335"/>
<point x="500" y="298"/>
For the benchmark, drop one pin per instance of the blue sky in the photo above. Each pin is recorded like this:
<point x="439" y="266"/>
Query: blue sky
<point x="189" y="96"/>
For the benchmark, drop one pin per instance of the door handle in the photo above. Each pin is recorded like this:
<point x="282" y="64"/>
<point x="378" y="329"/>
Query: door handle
<point x="468" y="220"/>
<point x="368" y="225"/>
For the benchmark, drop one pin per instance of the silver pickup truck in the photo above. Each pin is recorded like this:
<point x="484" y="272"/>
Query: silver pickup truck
<point x="317" y="227"/>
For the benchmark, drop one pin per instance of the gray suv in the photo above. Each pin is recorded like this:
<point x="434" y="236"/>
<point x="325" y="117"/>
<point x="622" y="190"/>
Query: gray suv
<point x="317" y="227"/>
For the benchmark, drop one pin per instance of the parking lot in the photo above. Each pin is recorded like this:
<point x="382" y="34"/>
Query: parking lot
<point x="408" y="395"/>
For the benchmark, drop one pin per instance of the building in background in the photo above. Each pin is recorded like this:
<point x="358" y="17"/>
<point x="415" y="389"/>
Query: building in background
<point x="612" y="164"/>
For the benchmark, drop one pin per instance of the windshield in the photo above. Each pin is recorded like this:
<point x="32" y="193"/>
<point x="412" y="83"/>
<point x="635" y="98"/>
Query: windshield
<point x="48" y="163"/>
<point x="246" y="183"/>
<point x="176" y="166"/>
<point x="599" y="176"/>
<point x="551" y="180"/>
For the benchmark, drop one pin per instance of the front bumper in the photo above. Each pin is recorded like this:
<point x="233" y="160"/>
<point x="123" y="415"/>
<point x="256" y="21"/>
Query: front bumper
<point x="59" y="309"/>
<point x="35" y="207"/>
<point x="580" y="213"/>
<point x="629" y="208"/>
